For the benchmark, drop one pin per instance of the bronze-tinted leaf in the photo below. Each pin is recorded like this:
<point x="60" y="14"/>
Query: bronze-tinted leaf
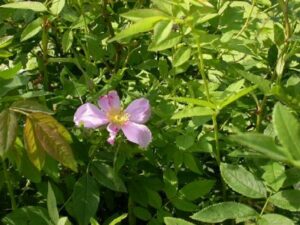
<point x="8" y="130"/>
<point x="31" y="106"/>
<point x="33" y="147"/>
<point x="54" y="124"/>
<point x="53" y="138"/>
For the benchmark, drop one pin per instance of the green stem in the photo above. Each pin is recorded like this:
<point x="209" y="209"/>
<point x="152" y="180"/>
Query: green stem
<point x="216" y="136"/>
<point x="9" y="186"/>
<point x="260" y="113"/>
<point x="131" y="216"/>
<point x="45" y="38"/>
<point x="264" y="207"/>
<point x="202" y="72"/>
<point x="247" y="21"/>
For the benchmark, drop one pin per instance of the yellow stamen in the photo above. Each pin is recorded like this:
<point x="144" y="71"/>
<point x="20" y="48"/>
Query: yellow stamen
<point x="117" y="117"/>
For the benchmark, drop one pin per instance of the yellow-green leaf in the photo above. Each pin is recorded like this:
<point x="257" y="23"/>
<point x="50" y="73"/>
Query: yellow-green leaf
<point x="33" y="148"/>
<point x="54" y="138"/>
<point x="139" y="27"/>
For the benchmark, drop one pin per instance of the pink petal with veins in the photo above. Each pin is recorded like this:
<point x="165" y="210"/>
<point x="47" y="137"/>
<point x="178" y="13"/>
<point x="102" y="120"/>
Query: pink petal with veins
<point x="110" y="101"/>
<point x="139" y="110"/>
<point x="90" y="116"/>
<point x="137" y="133"/>
<point x="113" y="131"/>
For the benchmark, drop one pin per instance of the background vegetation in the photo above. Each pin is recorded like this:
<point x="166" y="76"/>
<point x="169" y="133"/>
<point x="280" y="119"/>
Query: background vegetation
<point x="222" y="78"/>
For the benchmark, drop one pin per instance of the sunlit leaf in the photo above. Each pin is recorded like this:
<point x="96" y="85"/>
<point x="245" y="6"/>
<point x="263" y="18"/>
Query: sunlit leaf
<point x="51" y="205"/>
<point x="138" y="27"/>
<point x="33" y="147"/>
<point x="287" y="199"/>
<point x="32" y="29"/>
<point x="220" y="212"/>
<point x="29" y="5"/>
<point x="57" y="6"/>
<point x="190" y="112"/>
<point x="242" y="181"/>
<point x="288" y="130"/>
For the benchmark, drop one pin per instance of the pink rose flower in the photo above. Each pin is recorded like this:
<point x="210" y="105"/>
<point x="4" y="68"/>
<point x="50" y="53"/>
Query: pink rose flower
<point x="110" y="113"/>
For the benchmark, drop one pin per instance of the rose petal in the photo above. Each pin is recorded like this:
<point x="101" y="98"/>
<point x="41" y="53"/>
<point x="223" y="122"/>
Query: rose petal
<point x="113" y="131"/>
<point x="110" y="101"/>
<point x="90" y="116"/>
<point x="139" y="110"/>
<point x="137" y="133"/>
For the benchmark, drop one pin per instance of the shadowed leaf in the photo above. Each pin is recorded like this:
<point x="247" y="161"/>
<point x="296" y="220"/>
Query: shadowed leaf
<point x="8" y="130"/>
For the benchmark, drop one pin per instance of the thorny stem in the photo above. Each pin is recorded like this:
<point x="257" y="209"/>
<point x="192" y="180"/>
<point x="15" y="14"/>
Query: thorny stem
<point x="9" y="186"/>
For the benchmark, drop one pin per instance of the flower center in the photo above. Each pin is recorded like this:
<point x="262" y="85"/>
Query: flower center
<point x="117" y="117"/>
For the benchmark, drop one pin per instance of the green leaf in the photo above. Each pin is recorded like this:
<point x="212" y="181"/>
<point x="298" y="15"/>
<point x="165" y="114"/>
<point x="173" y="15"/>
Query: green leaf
<point x="85" y="198"/>
<point x="30" y="106"/>
<point x="274" y="175"/>
<point x="138" y="27"/>
<point x="57" y="6"/>
<point x="172" y="40"/>
<point x="162" y="30"/>
<point x="142" y="213"/>
<point x="29" y="5"/>
<point x="8" y="130"/>
<point x="32" y="29"/>
<point x="6" y="40"/>
<point x="288" y="130"/>
<point x="197" y="189"/>
<point x="184" y="141"/>
<point x="190" y="112"/>
<point x="236" y="96"/>
<point x="119" y="219"/>
<point x="10" y="73"/>
<point x="288" y="199"/>
<point x="191" y="162"/>
<point x="184" y="205"/>
<point x="181" y="56"/>
<point x="5" y="54"/>
<point x="28" y="215"/>
<point x="107" y="177"/>
<point x="22" y="163"/>
<point x="242" y="181"/>
<point x="274" y="219"/>
<point x="139" y="14"/>
<point x="194" y="101"/>
<point x="63" y="221"/>
<point x="67" y="40"/>
<point x="51" y="205"/>
<point x="262" y="144"/>
<point x="223" y="211"/>
<point x="154" y="198"/>
<point x="9" y="85"/>
<point x="292" y="177"/>
<point x="260" y="81"/>
<point x="176" y="221"/>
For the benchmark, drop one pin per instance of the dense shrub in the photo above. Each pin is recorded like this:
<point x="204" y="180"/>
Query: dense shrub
<point x="80" y="79"/>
